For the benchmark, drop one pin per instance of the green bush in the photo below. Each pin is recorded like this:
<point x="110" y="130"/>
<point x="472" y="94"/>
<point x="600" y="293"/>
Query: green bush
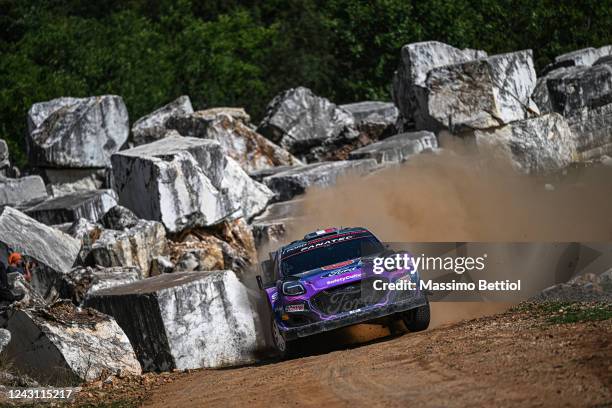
<point x="243" y="52"/>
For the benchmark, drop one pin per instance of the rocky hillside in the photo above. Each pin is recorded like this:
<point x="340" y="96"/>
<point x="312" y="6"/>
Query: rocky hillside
<point x="143" y="235"/>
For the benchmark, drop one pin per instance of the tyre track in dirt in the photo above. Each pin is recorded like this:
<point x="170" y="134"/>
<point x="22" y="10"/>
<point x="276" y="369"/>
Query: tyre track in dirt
<point x="505" y="360"/>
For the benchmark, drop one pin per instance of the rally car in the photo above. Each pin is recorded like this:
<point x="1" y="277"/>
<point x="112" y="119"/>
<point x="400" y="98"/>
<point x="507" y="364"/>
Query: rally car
<point x="326" y="281"/>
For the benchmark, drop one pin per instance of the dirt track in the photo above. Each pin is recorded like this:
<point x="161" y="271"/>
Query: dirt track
<point x="504" y="360"/>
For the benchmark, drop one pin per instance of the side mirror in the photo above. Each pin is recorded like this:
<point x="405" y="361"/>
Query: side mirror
<point x="259" y="282"/>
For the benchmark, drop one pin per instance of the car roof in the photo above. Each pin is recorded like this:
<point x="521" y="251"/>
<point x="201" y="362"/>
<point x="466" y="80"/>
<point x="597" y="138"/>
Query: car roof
<point x="336" y="233"/>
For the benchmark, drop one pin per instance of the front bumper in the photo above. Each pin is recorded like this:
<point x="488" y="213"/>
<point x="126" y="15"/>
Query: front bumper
<point x="354" y="317"/>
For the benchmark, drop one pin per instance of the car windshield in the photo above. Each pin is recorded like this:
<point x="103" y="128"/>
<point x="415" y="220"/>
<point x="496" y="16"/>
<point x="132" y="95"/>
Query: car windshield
<point x="330" y="254"/>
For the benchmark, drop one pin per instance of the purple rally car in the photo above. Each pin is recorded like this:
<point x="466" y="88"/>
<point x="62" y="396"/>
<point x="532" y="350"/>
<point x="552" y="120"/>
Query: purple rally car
<point x="326" y="281"/>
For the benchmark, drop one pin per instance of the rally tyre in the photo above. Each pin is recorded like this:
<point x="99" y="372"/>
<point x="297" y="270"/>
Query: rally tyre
<point x="282" y="346"/>
<point x="417" y="319"/>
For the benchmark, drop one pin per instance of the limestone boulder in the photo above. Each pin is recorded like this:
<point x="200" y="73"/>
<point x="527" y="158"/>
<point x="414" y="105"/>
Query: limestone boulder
<point x="4" y="154"/>
<point x="290" y="183"/>
<point x="63" y="345"/>
<point x="417" y="59"/>
<point x="230" y="127"/>
<point x="90" y="205"/>
<point x="76" y="132"/>
<point x="184" y="320"/>
<point x="135" y="246"/>
<point x="226" y="245"/>
<point x="152" y="127"/>
<point x="478" y="94"/>
<point x="54" y="252"/>
<point x="537" y="145"/>
<point x="80" y="281"/>
<point x="22" y="191"/>
<point x="398" y="148"/>
<point x="66" y="181"/>
<point x="176" y="180"/>
<point x="298" y="120"/>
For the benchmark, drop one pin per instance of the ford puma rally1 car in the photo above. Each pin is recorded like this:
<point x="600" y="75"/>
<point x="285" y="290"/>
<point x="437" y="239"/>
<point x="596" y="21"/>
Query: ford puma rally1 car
<point x="325" y="281"/>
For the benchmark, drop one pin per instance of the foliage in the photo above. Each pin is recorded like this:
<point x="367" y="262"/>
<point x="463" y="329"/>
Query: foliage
<point x="243" y="52"/>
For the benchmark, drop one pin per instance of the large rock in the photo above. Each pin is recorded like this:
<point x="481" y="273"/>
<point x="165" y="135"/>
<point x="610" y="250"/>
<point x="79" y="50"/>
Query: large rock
<point x="134" y="246"/>
<point x="584" y="57"/>
<point x="250" y="195"/>
<point x="119" y="218"/>
<point x="81" y="281"/>
<point x="271" y="227"/>
<point x="384" y="113"/>
<point x="90" y="205"/>
<point x="298" y="120"/>
<point x="63" y="345"/>
<point x="287" y="184"/>
<point x="66" y="181"/>
<point x="229" y="126"/>
<point x="152" y="127"/>
<point x="54" y="251"/>
<point x="536" y="145"/>
<point x="417" y="59"/>
<point x="478" y="94"/>
<point x="398" y="148"/>
<point x="227" y="245"/>
<point x="176" y="180"/>
<point x="583" y="94"/>
<point x="5" y="338"/>
<point x="87" y="233"/>
<point x="76" y="132"/>
<point x="17" y="191"/>
<point x="4" y="154"/>
<point x="184" y="320"/>
<point x="191" y="187"/>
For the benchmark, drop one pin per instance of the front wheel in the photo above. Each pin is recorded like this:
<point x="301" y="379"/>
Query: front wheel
<point x="282" y="346"/>
<point x="417" y="319"/>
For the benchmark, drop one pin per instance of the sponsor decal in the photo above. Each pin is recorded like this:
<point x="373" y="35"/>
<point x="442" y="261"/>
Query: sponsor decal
<point x="343" y="279"/>
<point x="326" y="243"/>
<point x="337" y="265"/>
<point x="340" y="272"/>
<point x="294" y="308"/>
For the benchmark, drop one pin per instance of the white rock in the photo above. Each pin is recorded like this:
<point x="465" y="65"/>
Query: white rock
<point x="230" y="127"/>
<point x="298" y="119"/>
<point x="583" y="94"/>
<point x="134" y="246"/>
<point x="251" y="196"/>
<point x="398" y="148"/>
<point x="152" y="127"/>
<point x="54" y="251"/>
<point x="417" y="59"/>
<point x="54" y="351"/>
<point x="176" y="180"/>
<point x="16" y="191"/>
<point x="184" y="320"/>
<point x="478" y="94"/>
<point x="5" y="338"/>
<point x="91" y="205"/>
<point x="76" y="132"/>
<point x="536" y="145"/>
<point x="81" y="281"/>
<point x="289" y="183"/>
<point x="66" y="181"/>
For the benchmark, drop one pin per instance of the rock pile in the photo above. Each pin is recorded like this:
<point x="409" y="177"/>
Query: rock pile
<point x="71" y="139"/>
<point x="158" y="232"/>
<point x="498" y="101"/>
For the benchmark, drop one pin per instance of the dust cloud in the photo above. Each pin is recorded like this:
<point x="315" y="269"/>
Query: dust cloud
<point x="452" y="196"/>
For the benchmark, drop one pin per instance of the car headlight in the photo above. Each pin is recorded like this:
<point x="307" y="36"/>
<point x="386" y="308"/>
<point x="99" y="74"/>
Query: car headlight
<point x="293" y="289"/>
